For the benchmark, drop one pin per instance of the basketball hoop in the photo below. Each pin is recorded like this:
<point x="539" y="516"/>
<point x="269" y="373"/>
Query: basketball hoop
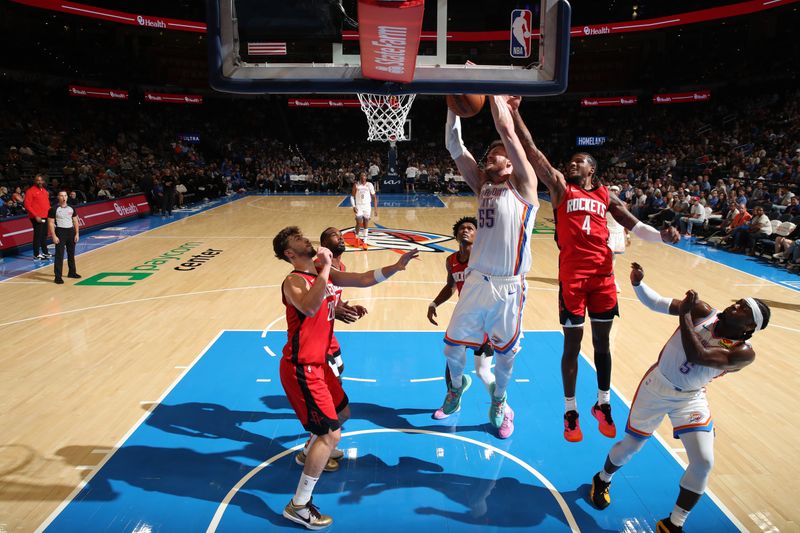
<point x="386" y="115"/>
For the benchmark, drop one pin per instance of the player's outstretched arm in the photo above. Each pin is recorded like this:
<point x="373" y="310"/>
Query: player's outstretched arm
<point x="524" y="177"/>
<point x="652" y="300"/>
<point x="715" y="357"/>
<point x="464" y="160"/>
<point x="552" y="178"/>
<point x="372" y="277"/>
<point x="621" y="214"/>
<point x="444" y="295"/>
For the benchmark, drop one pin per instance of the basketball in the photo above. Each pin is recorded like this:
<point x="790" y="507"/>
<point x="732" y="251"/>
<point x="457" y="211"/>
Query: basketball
<point x="465" y="105"/>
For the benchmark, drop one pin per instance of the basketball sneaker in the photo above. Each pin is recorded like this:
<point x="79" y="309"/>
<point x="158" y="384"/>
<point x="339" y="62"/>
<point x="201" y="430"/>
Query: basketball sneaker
<point x="572" y="428"/>
<point x="307" y="515"/>
<point x="439" y="414"/>
<point x="507" y="426"/>
<point x="599" y="492"/>
<point x="452" y="402"/>
<point x="497" y="410"/>
<point x="602" y="412"/>
<point x="666" y="526"/>
<point x="331" y="466"/>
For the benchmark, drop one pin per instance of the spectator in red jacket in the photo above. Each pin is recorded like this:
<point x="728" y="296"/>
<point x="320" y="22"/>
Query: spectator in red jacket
<point x="37" y="204"/>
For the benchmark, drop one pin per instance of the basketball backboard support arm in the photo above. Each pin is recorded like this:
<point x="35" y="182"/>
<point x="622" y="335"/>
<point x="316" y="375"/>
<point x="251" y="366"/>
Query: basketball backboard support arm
<point x="229" y="72"/>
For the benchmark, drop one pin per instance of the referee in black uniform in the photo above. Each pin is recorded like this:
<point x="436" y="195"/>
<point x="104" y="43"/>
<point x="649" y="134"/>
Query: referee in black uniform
<point x="63" y="223"/>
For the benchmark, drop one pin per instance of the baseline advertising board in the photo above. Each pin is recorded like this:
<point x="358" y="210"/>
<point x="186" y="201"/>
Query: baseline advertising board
<point x="18" y="231"/>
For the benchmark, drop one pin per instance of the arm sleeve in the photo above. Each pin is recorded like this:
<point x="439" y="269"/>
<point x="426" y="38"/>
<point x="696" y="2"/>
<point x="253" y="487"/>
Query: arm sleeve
<point x="646" y="233"/>
<point x="651" y="298"/>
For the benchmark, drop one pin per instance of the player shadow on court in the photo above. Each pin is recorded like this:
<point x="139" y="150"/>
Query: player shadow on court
<point x="214" y="421"/>
<point x="503" y="502"/>
<point x="385" y="417"/>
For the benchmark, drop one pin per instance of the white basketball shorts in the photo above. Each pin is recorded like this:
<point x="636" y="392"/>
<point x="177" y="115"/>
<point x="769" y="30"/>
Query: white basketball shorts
<point x="490" y="305"/>
<point x="363" y="212"/>
<point x="656" y="397"/>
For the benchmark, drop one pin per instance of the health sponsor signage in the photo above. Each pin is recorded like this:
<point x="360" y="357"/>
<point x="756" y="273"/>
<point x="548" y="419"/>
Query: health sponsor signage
<point x="680" y="19"/>
<point x="173" y="98"/>
<point x="97" y="92"/>
<point x="611" y="101"/>
<point x="19" y="232"/>
<point x="682" y="98"/>
<point x="323" y="102"/>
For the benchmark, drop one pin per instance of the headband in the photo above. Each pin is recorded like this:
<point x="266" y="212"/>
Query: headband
<point x="758" y="318"/>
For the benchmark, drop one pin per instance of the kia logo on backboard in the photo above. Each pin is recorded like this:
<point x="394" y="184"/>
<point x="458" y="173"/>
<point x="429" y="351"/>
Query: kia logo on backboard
<point x="521" y="32"/>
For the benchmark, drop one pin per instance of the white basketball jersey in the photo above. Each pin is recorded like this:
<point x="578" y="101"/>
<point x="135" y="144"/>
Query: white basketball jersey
<point x="687" y="376"/>
<point x="613" y="226"/>
<point x="502" y="244"/>
<point x="364" y="194"/>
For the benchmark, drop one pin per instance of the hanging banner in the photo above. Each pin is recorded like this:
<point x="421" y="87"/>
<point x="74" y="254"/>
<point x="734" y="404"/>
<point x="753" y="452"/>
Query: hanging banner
<point x="173" y="98"/>
<point x="389" y="38"/>
<point x="614" y="101"/>
<point x="682" y="98"/>
<point x="97" y="92"/>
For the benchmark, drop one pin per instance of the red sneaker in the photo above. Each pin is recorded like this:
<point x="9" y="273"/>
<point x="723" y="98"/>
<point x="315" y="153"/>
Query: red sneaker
<point x="604" y="421"/>
<point x="572" y="428"/>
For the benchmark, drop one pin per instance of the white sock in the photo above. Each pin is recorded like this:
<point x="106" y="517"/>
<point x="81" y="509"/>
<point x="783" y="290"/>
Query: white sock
<point x="458" y="382"/>
<point x="605" y="476"/>
<point x="570" y="404"/>
<point x="678" y="516"/>
<point x="304" y="489"/>
<point x="603" y="396"/>
<point x="366" y="233"/>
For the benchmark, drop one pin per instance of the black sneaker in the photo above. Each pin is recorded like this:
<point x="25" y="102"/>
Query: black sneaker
<point x="306" y="515"/>
<point x="599" y="492"/>
<point x="47" y="255"/>
<point x="59" y="281"/>
<point x="74" y="276"/>
<point x="665" y="525"/>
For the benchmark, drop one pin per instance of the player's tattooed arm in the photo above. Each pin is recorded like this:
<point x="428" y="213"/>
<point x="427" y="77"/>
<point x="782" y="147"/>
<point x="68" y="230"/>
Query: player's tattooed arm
<point x="552" y="178"/>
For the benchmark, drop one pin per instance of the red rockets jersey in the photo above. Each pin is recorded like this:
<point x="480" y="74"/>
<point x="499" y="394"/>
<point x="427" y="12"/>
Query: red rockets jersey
<point x="582" y="233"/>
<point x="309" y="337"/>
<point x="457" y="269"/>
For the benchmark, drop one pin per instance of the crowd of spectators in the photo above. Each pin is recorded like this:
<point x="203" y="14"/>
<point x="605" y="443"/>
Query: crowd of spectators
<point x="699" y="166"/>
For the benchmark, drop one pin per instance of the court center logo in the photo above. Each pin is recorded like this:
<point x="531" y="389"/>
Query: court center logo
<point x="403" y="240"/>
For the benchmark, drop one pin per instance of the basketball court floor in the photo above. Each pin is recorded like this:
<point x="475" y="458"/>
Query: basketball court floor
<point x="146" y="398"/>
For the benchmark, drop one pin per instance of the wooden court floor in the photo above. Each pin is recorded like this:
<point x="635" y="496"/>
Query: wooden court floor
<point x="80" y="365"/>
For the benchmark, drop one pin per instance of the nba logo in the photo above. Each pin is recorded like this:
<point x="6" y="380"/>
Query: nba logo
<point x="521" y="32"/>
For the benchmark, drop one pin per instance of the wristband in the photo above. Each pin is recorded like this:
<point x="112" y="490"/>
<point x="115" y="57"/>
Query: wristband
<point x="378" y="273"/>
<point x="432" y="305"/>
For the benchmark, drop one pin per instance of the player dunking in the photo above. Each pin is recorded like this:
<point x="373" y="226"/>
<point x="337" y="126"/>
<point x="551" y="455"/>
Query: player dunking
<point x="706" y="345"/>
<point x="365" y="205"/>
<point x="312" y="389"/>
<point x="492" y="300"/>
<point x="456" y="266"/>
<point x="585" y="269"/>
<point x="331" y="239"/>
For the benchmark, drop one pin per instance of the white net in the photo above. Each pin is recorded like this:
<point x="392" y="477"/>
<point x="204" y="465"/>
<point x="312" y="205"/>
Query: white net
<point x="386" y="115"/>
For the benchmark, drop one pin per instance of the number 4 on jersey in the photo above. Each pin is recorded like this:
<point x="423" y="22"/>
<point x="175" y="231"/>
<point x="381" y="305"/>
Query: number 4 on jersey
<point x="587" y="225"/>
